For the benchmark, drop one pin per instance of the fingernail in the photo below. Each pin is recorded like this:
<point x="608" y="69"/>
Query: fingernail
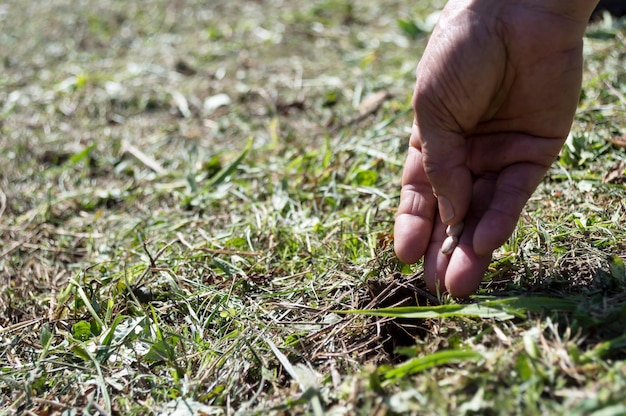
<point x="446" y="211"/>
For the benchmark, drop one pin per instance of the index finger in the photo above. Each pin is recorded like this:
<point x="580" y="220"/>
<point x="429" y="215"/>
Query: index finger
<point x="416" y="211"/>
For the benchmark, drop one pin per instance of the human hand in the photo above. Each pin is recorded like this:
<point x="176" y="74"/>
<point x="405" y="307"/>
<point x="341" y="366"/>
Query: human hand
<point x="496" y="92"/>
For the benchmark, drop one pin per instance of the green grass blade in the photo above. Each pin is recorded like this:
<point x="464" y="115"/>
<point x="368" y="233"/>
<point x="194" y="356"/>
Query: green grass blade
<point x="500" y="309"/>
<point x="442" y="311"/>
<point x="525" y="304"/>
<point x="227" y="170"/>
<point x="82" y="155"/>
<point x="418" y="364"/>
<point x="282" y="358"/>
<point x="100" y="380"/>
<point x="304" y="379"/>
<point x="121" y="330"/>
<point x="83" y="296"/>
<point x="601" y="350"/>
<point x="220" y="176"/>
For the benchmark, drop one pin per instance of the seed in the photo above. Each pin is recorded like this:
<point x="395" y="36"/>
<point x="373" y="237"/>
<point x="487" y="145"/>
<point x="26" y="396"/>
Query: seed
<point x="455" y="230"/>
<point x="449" y="244"/>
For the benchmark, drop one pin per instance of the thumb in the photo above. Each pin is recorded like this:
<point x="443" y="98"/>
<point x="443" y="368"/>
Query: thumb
<point x="445" y="165"/>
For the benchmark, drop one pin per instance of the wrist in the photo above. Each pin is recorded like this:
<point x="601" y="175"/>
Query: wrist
<point x="574" y="9"/>
<point x="579" y="10"/>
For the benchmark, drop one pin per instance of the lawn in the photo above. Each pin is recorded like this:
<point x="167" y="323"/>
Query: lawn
<point x="196" y="206"/>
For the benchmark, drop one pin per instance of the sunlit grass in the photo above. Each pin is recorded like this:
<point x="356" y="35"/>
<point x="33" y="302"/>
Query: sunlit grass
<point x="160" y="251"/>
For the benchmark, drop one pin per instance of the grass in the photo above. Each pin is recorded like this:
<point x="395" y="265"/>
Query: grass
<point x="196" y="207"/>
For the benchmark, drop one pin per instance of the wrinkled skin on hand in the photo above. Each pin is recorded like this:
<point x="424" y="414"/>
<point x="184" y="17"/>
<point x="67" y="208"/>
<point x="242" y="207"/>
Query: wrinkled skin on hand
<point x="496" y="92"/>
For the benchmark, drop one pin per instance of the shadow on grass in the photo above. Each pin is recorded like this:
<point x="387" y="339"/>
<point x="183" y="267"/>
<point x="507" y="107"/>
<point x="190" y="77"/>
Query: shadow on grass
<point x="587" y="302"/>
<point x="597" y="293"/>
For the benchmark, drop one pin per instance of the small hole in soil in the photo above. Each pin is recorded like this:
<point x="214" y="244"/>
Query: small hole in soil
<point x="397" y="291"/>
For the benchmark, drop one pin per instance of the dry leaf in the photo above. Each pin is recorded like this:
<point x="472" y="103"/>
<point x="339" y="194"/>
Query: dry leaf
<point x="616" y="174"/>
<point x="619" y="141"/>
<point x="372" y="102"/>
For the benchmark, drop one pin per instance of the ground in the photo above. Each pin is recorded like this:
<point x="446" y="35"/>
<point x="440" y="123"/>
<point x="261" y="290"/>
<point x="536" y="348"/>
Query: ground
<point x="196" y="205"/>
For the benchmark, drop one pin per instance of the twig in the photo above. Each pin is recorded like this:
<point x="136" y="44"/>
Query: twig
<point x="20" y="325"/>
<point x="420" y="292"/>
<point x="369" y="106"/>
<point x="51" y="403"/>
<point x="142" y="157"/>
<point x="53" y="304"/>
<point x="53" y="249"/>
<point x="182" y="240"/>
<point x="153" y="259"/>
<point x="144" y="244"/>
<point x="17" y="244"/>
<point x="615" y="92"/>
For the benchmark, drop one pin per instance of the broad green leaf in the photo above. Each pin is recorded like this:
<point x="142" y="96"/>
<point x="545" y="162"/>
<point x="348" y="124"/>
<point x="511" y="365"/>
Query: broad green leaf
<point x="162" y="350"/>
<point x="365" y="178"/>
<point x="80" y="352"/>
<point x="81" y="330"/>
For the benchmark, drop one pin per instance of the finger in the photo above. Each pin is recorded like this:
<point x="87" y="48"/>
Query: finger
<point x="510" y="148"/>
<point x="416" y="211"/>
<point x="445" y="166"/>
<point x="436" y="263"/>
<point x="460" y="273"/>
<point x="511" y="191"/>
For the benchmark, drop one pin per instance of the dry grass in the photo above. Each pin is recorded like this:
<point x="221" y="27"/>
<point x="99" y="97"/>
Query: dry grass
<point x="191" y="195"/>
